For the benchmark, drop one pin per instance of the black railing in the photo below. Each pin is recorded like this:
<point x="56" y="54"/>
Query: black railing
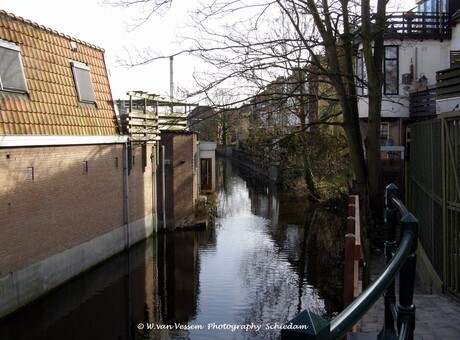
<point x="399" y="320"/>
<point x="419" y="25"/>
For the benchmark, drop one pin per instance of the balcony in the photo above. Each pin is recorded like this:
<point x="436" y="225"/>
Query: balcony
<point x="418" y="26"/>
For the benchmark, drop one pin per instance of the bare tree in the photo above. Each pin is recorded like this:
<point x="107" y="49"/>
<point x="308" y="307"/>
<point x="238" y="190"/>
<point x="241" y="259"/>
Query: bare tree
<point x="248" y="44"/>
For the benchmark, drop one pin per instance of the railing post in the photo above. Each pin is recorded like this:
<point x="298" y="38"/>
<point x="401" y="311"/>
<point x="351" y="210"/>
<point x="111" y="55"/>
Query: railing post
<point x="406" y="310"/>
<point x="388" y="330"/>
<point x="349" y="265"/>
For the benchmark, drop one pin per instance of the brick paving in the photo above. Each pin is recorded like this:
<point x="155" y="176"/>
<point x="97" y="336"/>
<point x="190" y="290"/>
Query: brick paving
<point x="437" y="315"/>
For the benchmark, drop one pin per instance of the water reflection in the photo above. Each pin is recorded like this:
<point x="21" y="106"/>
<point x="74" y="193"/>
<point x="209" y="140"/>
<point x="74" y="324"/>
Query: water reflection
<point x="268" y="257"/>
<point x="99" y="305"/>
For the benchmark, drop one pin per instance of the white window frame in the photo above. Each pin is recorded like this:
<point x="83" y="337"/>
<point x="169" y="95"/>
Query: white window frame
<point x="20" y="82"/>
<point x="83" y="82"/>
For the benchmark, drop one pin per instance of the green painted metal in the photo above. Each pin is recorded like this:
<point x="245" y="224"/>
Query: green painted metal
<point x="356" y="310"/>
<point x="434" y="191"/>
<point x="306" y="325"/>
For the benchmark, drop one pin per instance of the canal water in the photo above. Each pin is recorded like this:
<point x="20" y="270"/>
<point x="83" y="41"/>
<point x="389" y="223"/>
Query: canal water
<point x="268" y="257"/>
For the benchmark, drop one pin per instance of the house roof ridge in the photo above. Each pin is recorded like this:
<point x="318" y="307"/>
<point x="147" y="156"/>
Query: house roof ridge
<point x="49" y="30"/>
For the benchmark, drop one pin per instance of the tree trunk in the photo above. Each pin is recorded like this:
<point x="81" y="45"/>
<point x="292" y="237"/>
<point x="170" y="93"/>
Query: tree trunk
<point x="373" y="48"/>
<point x="313" y="193"/>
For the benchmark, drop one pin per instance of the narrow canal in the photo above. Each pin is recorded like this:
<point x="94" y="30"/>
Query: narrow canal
<point x="267" y="258"/>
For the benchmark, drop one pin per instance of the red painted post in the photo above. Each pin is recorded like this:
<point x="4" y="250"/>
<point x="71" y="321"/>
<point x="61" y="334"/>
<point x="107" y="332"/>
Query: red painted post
<point x="351" y="225"/>
<point x="348" y="284"/>
<point x="351" y="210"/>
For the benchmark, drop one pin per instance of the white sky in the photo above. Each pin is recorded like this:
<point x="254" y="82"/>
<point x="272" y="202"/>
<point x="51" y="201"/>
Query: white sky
<point x="106" y="27"/>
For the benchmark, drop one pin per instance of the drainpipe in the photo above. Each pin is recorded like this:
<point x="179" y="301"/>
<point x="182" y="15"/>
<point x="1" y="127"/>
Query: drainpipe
<point x="154" y="160"/>
<point x="163" y="185"/>
<point x="126" y="194"/>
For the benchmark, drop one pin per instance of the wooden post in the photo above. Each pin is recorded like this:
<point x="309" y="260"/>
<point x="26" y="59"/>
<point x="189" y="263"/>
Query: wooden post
<point x="348" y="278"/>
<point x="351" y="224"/>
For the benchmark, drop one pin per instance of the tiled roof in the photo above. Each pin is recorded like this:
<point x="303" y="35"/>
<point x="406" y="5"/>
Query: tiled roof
<point x="51" y="106"/>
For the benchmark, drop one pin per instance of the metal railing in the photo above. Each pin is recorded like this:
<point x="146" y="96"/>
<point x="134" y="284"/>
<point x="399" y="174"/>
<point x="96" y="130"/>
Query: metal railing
<point x="399" y="320"/>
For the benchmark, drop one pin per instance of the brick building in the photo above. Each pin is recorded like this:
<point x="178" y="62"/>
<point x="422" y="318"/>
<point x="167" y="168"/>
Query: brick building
<point x="73" y="190"/>
<point x="181" y="178"/>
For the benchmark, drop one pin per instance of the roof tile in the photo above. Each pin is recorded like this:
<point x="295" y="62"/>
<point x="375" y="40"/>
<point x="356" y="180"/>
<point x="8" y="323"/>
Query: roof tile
<point x="51" y="106"/>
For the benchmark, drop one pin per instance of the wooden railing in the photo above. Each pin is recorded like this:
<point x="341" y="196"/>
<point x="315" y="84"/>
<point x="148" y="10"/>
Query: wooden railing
<point x="448" y="83"/>
<point x="422" y="103"/>
<point x="415" y="25"/>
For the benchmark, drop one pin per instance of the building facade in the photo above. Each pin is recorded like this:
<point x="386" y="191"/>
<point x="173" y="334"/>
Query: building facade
<point x="69" y="200"/>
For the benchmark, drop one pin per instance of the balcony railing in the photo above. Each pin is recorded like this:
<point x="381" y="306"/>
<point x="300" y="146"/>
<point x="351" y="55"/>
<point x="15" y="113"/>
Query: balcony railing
<point x="414" y="25"/>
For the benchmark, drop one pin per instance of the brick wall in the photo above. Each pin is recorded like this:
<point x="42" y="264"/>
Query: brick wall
<point x="180" y="178"/>
<point x="184" y="198"/>
<point x="140" y="184"/>
<point x="75" y="195"/>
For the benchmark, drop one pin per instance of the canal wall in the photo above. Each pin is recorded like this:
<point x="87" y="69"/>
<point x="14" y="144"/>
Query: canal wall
<point x="80" y="207"/>
<point x="25" y="285"/>
<point x="242" y="158"/>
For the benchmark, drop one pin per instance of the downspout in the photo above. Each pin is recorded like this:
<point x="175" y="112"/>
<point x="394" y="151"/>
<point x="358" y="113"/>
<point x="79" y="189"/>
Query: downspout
<point x="126" y="194"/>
<point x="163" y="185"/>
<point x="154" y="160"/>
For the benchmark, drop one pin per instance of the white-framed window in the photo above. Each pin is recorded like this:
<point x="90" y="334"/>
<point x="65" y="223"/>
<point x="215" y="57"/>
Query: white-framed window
<point x="12" y="77"/>
<point x="361" y="74"/>
<point x="83" y="82"/>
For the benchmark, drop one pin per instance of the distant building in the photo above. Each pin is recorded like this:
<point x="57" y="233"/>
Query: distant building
<point x="204" y="121"/>
<point x="180" y="176"/>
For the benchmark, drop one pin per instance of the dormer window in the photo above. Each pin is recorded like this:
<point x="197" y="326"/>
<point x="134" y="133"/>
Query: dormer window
<point x="83" y="82"/>
<point x="12" y="76"/>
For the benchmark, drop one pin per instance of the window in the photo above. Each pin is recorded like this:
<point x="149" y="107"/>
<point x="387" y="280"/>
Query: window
<point x="361" y="74"/>
<point x="384" y="133"/>
<point x="83" y="82"/>
<point x="454" y="58"/>
<point x="12" y="76"/>
<point x="391" y="70"/>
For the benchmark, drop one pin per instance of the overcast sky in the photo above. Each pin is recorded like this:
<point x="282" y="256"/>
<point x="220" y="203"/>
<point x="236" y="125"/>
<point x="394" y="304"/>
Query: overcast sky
<point x="106" y="27"/>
